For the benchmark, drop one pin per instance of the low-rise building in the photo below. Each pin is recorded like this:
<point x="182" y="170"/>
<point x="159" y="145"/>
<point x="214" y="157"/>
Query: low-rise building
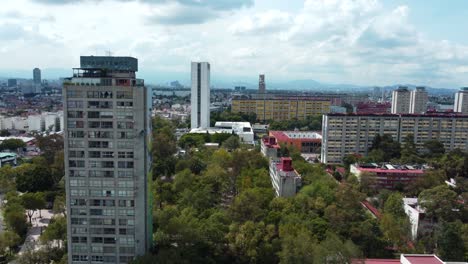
<point x="388" y="176"/>
<point x="241" y="129"/>
<point x="7" y="158"/>
<point x="304" y="141"/>
<point x="420" y="224"/>
<point x="285" y="180"/>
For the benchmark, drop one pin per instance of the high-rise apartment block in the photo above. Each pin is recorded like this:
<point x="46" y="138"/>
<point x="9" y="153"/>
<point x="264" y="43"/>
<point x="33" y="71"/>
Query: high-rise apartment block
<point x="401" y="101"/>
<point x="261" y="84"/>
<point x="353" y="134"/>
<point x="418" y="101"/>
<point x="281" y="108"/>
<point x="107" y="161"/>
<point x="37" y="76"/>
<point x="461" y="101"/>
<point x="200" y="95"/>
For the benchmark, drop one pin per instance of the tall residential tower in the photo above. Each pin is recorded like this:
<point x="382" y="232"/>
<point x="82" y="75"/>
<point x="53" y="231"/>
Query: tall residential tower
<point x="107" y="161"/>
<point x="261" y="84"/>
<point x="418" y="101"/>
<point x="401" y="100"/>
<point x="200" y="95"/>
<point x="461" y="101"/>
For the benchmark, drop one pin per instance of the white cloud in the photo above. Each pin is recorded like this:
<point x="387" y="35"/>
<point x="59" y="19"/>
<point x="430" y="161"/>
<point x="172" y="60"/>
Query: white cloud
<point x="270" y="21"/>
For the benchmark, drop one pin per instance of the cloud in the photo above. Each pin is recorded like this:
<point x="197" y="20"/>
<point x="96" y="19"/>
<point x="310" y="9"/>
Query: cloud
<point x="177" y="14"/>
<point x="267" y="22"/>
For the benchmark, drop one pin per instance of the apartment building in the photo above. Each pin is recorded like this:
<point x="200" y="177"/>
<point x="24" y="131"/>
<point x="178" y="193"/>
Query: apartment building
<point x="418" y="101"/>
<point x="347" y="134"/>
<point x="107" y="161"/>
<point x="285" y="180"/>
<point x="401" y="98"/>
<point x="281" y="108"/>
<point x="461" y="101"/>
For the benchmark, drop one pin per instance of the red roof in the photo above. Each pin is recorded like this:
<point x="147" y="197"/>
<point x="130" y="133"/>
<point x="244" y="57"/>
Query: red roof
<point x="423" y="259"/>
<point x="372" y="209"/>
<point x="279" y="135"/>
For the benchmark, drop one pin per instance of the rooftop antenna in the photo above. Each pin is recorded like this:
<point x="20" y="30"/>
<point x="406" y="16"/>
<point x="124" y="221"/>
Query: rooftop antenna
<point x="108" y="53"/>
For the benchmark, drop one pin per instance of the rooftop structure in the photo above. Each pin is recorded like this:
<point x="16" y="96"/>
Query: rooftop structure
<point x="304" y="141"/>
<point x="7" y="158"/>
<point x="261" y="84"/>
<point x="269" y="147"/>
<point x="364" y="108"/>
<point x="407" y="259"/>
<point x="109" y="63"/>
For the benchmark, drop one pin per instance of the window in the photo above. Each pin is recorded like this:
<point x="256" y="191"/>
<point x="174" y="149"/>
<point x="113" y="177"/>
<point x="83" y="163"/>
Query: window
<point x="124" y="115"/>
<point x="125" y="164"/>
<point x="100" y="144"/>
<point x="125" y="193"/>
<point x="125" y="155"/>
<point x="99" y="94"/>
<point x="75" y="124"/>
<point x="124" y="125"/>
<point x="125" y="135"/>
<point x="76" y="134"/>
<point x="78" y="202"/>
<point x="77" y="173"/>
<point x="125" y="144"/>
<point x="76" y="154"/>
<point x="97" y="258"/>
<point x="100" y="104"/>
<point x="124" y="95"/>
<point x="75" y="104"/>
<point x="76" y="143"/>
<point x="126" y="222"/>
<point x="125" y="174"/>
<point x="126" y="241"/>
<point x="125" y="184"/>
<point x="74" y="94"/>
<point x="100" y="134"/>
<point x="125" y="104"/>
<point x="106" y="174"/>
<point x="76" y="163"/>
<point x="127" y="212"/>
<point x="109" y="240"/>
<point x="126" y="203"/>
<point x="75" y="114"/>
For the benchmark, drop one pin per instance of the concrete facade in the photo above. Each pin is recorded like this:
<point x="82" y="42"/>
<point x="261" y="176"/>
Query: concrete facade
<point x="353" y="134"/>
<point x="200" y="95"/>
<point x="107" y="165"/>
<point x="461" y="101"/>
<point x="418" y="101"/>
<point x="401" y="98"/>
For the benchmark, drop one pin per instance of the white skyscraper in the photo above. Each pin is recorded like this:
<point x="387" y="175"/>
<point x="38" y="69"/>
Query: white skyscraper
<point x="200" y="117"/>
<point x="418" y="101"/>
<point x="461" y="101"/>
<point x="401" y="101"/>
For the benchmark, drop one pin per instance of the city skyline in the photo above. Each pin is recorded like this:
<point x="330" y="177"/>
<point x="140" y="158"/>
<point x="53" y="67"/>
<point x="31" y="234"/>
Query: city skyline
<point x="365" y="42"/>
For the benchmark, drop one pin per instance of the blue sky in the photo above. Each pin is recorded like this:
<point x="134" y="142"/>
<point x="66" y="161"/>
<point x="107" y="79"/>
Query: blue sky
<point x="364" y="42"/>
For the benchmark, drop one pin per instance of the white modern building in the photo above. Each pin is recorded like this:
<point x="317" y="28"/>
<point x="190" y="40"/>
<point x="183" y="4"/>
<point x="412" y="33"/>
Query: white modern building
<point x="285" y="180"/>
<point x="401" y="98"/>
<point x="242" y="129"/>
<point x="107" y="161"/>
<point x="420" y="224"/>
<point x="200" y="95"/>
<point x="418" y="101"/>
<point x="461" y="101"/>
<point x="269" y="147"/>
<point x="47" y="121"/>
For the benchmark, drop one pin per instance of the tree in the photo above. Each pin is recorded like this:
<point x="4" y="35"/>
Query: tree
<point x="15" y="217"/>
<point x="450" y="245"/>
<point x="434" y="148"/>
<point x="12" y="144"/>
<point x="8" y="240"/>
<point x="55" y="231"/>
<point x="33" y="202"/>
<point x="394" y="205"/>
<point x="4" y="133"/>
<point x="49" y="146"/>
<point x="389" y="148"/>
<point x="409" y="152"/>
<point x="440" y="202"/>
<point x="34" y="177"/>
<point x="231" y="143"/>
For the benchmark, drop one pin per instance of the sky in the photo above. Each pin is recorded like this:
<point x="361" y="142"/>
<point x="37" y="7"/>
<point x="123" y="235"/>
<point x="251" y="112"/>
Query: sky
<point x="361" y="42"/>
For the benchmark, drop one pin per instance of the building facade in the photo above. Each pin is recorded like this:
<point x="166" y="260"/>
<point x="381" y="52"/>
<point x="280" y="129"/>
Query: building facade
<point x="281" y="108"/>
<point x="350" y="134"/>
<point x="388" y="176"/>
<point x="37" y="76"/>
<point x="107" y="161"/>
<point x="461" y="101"/>
<point x="200" y="95"/>
<point x="304" y="141"/>
<point x="285" y="180"/>
<point x="401" y="98"/>
<point x="261" y="84"/>
<point x="418" y="101"/>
